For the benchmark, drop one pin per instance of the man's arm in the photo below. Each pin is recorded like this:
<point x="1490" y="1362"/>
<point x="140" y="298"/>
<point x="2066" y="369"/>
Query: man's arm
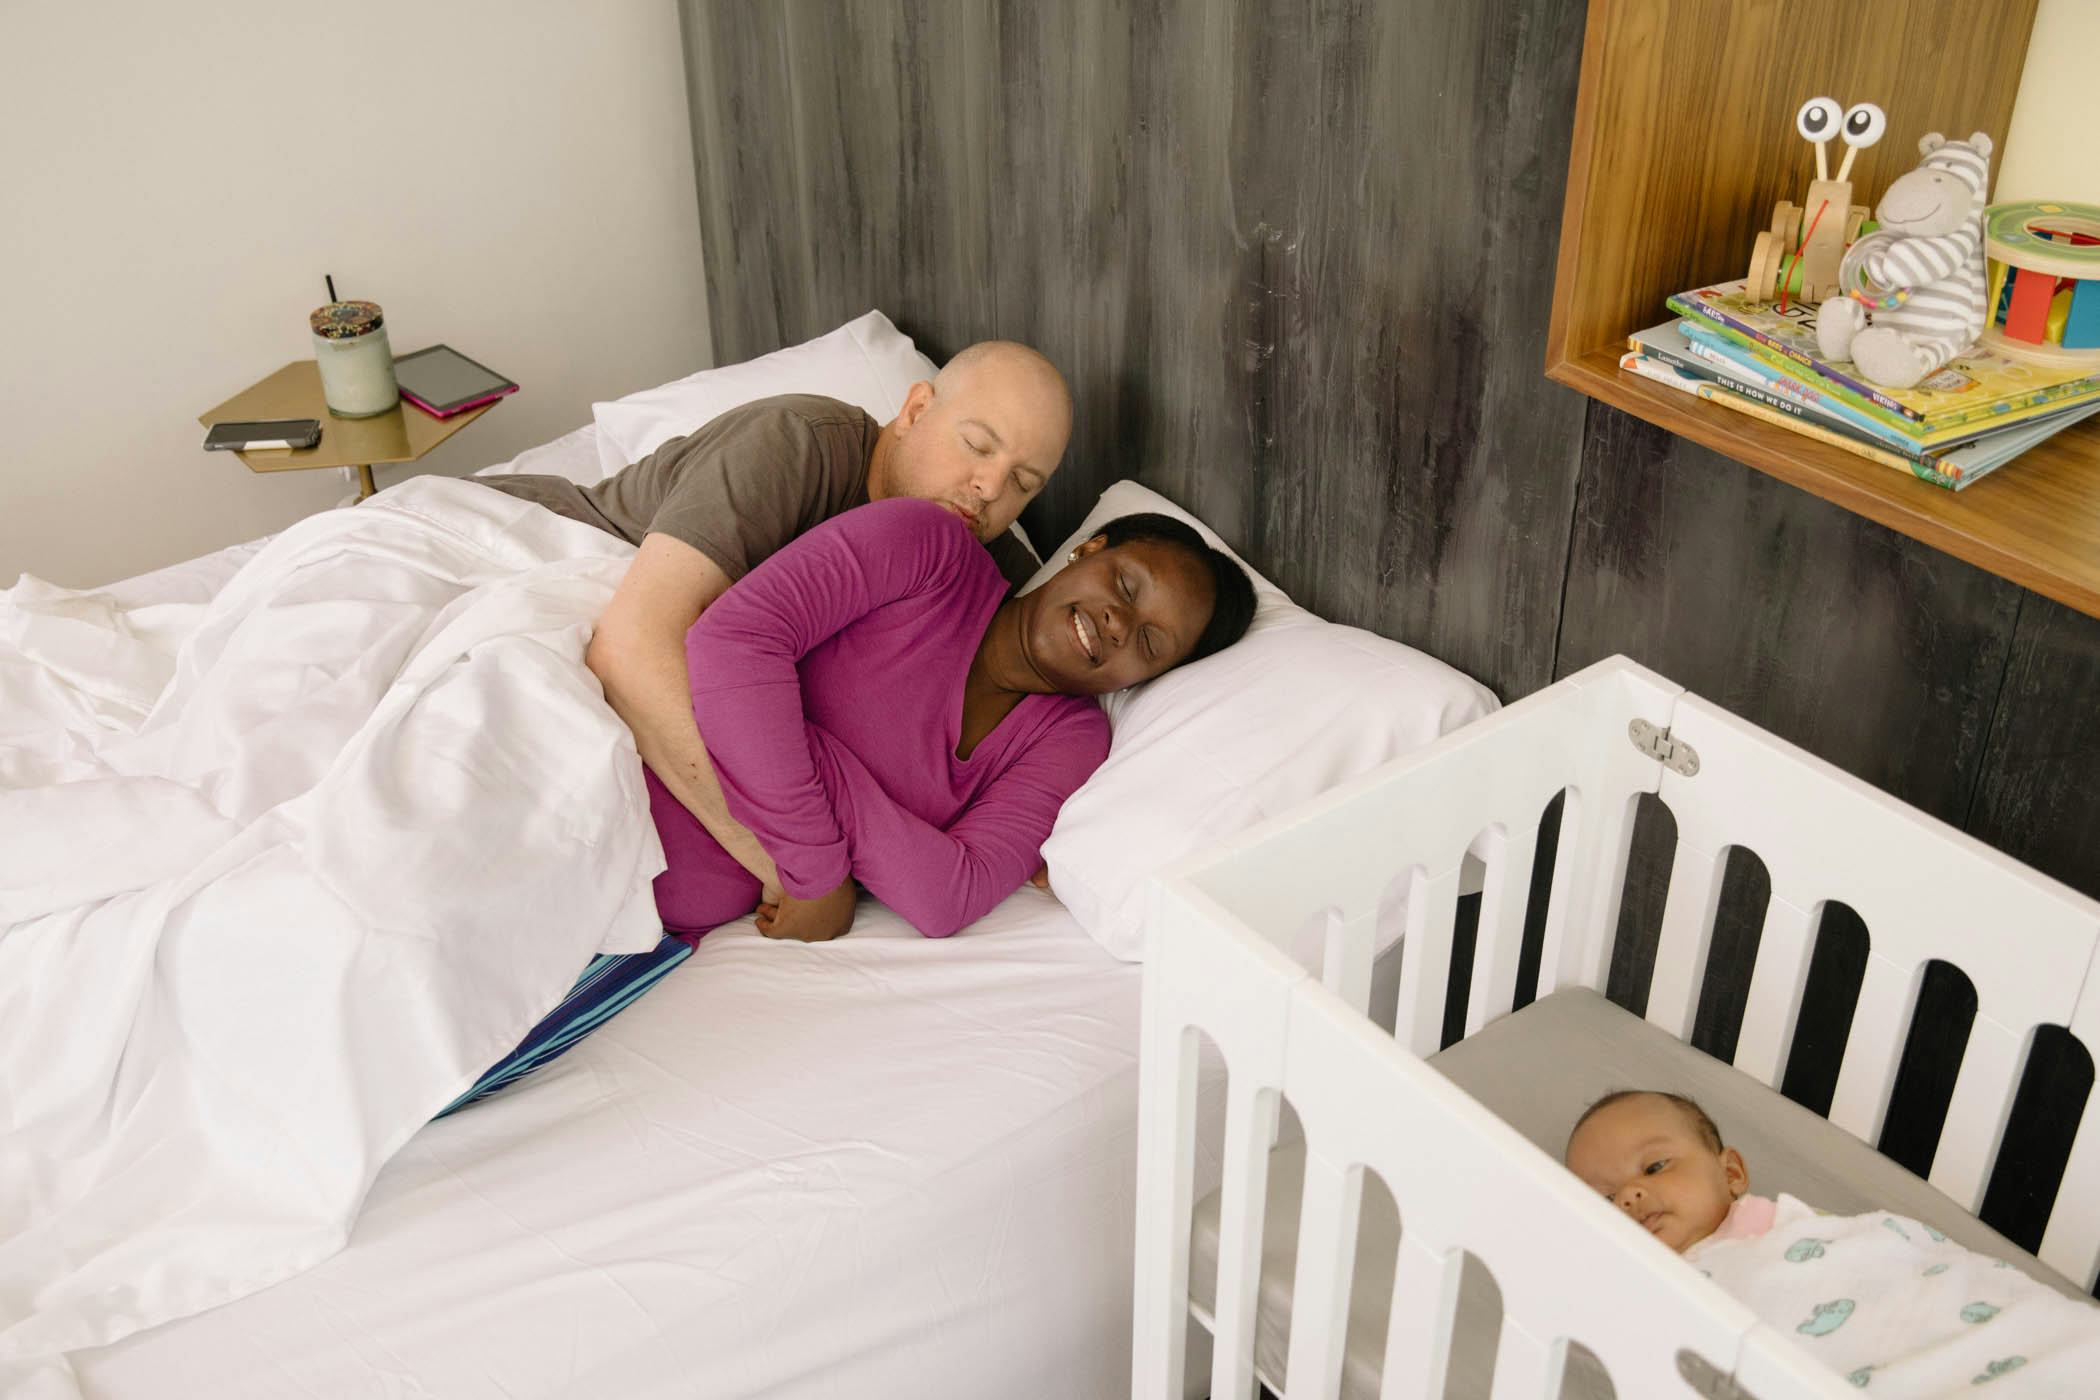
<point x="638" y="655"/>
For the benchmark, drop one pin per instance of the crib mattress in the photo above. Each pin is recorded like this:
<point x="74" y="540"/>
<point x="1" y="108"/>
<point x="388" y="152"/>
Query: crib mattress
<point x="1538" y="1069"/>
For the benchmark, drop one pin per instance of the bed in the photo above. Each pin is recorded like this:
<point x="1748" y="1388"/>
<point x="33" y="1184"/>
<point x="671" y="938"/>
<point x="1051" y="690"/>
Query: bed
<point x="883" y="1166"/>
<point x="1480" y="1264"/>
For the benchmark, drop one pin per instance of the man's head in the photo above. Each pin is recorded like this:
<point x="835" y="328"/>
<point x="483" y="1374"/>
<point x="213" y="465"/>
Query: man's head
<point x="980" y="439"/>
<point x="1658" y="1158"/>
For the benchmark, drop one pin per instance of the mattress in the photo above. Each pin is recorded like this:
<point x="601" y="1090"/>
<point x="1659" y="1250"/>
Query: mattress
<point x="1537" y="1070"/>
<point x="881" y="1166"/>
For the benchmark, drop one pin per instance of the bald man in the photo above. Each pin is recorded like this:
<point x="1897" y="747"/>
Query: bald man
<point x="980" y="439"/>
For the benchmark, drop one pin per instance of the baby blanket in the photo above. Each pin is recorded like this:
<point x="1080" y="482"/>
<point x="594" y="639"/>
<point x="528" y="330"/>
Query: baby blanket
<point x="280" y="874"/>
<point x="1897" y="1308"/>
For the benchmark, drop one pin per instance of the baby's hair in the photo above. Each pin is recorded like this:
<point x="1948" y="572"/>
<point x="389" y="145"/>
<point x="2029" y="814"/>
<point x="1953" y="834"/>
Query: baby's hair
<point x="1691" y="1110"/>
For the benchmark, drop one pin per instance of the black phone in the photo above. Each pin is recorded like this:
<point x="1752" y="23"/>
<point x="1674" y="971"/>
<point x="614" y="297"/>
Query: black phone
<point x="262" y="434"/>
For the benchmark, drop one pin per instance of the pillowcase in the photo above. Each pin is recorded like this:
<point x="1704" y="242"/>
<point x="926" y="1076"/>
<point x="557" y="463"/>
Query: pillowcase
<point x="868" y="362"/>
<point x="1207" y="750"/>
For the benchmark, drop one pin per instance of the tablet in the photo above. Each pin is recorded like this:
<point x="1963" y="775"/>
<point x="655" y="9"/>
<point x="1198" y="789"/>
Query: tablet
<point x="441" y="381"/>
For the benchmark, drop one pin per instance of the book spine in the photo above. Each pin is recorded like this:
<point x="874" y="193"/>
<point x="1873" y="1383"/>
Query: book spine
<point x="1772" y="397"/>
<point x="1793" y="359"/>
<point x="1728" y="398"/>
<point x="1832" y="411"/>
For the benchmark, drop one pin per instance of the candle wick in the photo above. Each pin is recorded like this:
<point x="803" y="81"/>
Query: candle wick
<point x="331" y="286"/>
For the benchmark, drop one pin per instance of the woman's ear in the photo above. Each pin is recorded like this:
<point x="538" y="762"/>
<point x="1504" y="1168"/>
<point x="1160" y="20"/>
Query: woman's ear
<point x="1737" y="1174"/>
<point x="1092" y="546"/>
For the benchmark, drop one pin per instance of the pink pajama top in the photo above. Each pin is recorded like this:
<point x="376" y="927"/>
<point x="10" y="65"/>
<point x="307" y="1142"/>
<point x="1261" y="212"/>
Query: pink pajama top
<point x="828" y="687"/>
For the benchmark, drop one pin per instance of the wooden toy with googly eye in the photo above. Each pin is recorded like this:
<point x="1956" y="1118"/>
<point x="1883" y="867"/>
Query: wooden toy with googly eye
<point x="1798" y="256"/>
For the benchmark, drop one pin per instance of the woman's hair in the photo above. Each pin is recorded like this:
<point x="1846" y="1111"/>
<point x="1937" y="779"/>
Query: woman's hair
<point x="1232" y="606"/>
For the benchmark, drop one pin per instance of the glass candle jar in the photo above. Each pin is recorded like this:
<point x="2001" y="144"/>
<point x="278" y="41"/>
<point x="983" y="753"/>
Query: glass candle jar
<point x="357" y="364"/>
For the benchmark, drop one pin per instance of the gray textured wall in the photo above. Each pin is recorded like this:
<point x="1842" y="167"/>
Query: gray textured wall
<point x="1296" y="259"/>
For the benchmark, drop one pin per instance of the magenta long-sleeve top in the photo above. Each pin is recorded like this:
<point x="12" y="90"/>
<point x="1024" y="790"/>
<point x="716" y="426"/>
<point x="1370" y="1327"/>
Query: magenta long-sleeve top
<point x="828" y="689"/>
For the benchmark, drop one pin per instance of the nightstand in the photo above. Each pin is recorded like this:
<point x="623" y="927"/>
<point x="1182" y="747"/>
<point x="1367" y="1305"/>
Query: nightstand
<point x="401" y="434"/>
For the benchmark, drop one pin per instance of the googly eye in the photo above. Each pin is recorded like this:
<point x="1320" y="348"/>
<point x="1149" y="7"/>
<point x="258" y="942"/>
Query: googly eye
<point x="1819" y="119"/>
<point x="1864" y="124"/>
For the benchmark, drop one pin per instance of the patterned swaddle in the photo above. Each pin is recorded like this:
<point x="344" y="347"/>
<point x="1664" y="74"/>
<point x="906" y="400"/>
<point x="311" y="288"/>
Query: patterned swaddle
<point x="1897" y="1308"/>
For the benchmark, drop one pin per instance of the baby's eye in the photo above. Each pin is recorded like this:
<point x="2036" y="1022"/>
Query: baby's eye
<point x="1653" y="1167"/>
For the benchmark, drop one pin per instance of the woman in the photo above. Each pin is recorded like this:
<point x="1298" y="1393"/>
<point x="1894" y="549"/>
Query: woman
<point x="877" y="709"/>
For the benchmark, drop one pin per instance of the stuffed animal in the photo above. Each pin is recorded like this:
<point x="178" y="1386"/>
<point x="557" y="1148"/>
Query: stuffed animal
<point x="1914" y="295"/>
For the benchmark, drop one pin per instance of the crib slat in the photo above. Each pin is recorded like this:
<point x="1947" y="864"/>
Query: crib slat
<point x="1500" y="943"/>
<point x="1425" y="963"/>
<point x="1687" y="937"/>
<point x="1165" y="1201"/>
<point x="1250" y="1128"/>
<point x="1526" y="1368"/>
<point x="1424" y="1315"/>
<point x="1326" y="1265"/>
<point x="1345" y="962"/>
<point x="2071" y="1243"/>
<point x="1777" y="984"/>
<point x="1977" y="1112"/>
<point x="1874" y="1047"/>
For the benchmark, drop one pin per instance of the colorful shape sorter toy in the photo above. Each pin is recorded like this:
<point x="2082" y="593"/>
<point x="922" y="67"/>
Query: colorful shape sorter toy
<point x="2044" y="282"/>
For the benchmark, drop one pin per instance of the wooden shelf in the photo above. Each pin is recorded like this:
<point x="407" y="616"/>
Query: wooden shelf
<point x="1684" y="138"/>
<point x="2035" y="521"/>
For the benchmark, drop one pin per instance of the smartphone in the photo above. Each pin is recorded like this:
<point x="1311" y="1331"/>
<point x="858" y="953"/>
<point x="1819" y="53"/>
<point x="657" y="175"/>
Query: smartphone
<point x="266" y="433"/>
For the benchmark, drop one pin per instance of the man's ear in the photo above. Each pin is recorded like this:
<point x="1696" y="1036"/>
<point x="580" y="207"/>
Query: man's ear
<point x="1733" y="1168"/>
<point x="917" y="400"/>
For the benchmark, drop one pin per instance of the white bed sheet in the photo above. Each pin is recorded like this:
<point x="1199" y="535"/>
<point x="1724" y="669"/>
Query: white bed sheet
<point x="886" y="1166"/>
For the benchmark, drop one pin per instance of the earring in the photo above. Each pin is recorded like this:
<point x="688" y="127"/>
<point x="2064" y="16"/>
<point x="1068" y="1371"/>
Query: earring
<point x="1073" y="557"/>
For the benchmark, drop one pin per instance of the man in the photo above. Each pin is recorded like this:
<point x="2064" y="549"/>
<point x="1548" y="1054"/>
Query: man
<point x="981" y="439"/>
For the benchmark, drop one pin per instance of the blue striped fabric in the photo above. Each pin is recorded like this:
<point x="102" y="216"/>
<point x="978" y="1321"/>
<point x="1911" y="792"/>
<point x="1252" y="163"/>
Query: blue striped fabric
<point x="612" y="983"/>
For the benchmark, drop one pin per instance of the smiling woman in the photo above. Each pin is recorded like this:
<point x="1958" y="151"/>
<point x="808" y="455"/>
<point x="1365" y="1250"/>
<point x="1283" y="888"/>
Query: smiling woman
<point x="882" y="715"/>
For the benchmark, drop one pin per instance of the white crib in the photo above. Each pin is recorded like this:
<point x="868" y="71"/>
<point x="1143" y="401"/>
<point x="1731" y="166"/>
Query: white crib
<point x="1568" y="1268"/>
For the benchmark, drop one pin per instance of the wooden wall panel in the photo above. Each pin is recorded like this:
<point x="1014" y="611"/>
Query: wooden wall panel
<point x="1861" y="645"/>
<point x="1290" y="258"/>
<point x="1296" y="261"/>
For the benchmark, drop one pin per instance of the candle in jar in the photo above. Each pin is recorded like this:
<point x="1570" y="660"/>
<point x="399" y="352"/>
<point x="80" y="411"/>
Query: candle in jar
<point x="356" y="363"/>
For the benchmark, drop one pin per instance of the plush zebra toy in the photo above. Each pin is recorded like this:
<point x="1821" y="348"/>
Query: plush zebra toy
<point x="1913" y="289"/>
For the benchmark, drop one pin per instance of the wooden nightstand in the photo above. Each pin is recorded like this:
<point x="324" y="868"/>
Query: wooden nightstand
<point x="402" y="434"/>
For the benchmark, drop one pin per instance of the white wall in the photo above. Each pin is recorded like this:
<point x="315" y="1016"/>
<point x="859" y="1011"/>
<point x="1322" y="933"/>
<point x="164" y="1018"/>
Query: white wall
<point x="2053" y="149"/>
<point x="512" y="178"/>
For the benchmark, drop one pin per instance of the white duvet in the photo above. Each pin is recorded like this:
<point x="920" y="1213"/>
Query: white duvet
<point x="280" y="874"/>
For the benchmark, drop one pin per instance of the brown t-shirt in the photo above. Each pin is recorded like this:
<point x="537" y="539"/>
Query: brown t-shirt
<point x="742" y="485"/>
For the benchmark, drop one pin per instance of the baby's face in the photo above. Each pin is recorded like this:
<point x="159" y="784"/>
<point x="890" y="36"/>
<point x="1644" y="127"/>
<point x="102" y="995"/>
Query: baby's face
<point x="1650" y="1159"/>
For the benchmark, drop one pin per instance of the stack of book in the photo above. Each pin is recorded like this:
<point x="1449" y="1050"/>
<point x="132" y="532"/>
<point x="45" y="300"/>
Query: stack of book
<point x="1973" y="416"/>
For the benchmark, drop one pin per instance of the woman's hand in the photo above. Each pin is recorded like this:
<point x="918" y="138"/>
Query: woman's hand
<point x="810" y="920"/>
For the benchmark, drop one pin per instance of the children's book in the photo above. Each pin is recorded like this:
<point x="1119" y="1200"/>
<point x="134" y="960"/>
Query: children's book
<point x="1708" y="356"/>
<point x="1954" y="469"/>
<point x="1979" y="388"/>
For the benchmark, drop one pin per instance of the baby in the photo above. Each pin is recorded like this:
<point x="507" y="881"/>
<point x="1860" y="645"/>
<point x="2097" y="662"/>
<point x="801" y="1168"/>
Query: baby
<point x="1882" y="1299"/>
<point x="1659" y="1158"/>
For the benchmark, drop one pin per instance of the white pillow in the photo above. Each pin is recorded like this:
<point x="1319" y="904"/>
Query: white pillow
<point x="573" y="455"/>
<point x="868" y="362"/>
<point x="1209" y="749"/>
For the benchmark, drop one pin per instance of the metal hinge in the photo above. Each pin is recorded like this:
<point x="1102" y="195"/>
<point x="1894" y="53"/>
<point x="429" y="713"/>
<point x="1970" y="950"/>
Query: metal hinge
<point x="1705" y="1377"/>
<point x="1673" y="754"/>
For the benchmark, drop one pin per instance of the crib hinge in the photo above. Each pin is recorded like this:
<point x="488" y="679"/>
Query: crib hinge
<point x="1673" y="754"/>
<point x="1705" y="1377"/>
